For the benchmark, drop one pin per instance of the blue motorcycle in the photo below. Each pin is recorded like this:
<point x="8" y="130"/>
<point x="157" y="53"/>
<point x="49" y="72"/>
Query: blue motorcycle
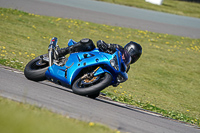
<point x="86" y="72"/>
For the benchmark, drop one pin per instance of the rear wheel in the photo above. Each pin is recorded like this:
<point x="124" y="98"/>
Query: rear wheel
<point x="93" y="86"/>
<point x="35" y="70"/>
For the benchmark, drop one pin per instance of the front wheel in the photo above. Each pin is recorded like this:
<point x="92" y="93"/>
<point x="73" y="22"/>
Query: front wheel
<point x="35" y="70"/>
<point x="92" y="86"/>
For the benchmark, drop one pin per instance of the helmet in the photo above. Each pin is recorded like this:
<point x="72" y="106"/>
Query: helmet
<point x="134" y="50"/>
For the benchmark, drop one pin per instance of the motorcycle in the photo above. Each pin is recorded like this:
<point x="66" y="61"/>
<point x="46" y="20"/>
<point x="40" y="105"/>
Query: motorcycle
<point x="85" y="72"/>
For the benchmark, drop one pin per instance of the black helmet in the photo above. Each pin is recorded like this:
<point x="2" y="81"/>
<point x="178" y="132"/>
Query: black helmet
<point x="134" y="50"/>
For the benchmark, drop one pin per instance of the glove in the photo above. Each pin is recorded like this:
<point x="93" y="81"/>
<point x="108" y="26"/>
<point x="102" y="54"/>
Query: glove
<point x="102" y="46"/>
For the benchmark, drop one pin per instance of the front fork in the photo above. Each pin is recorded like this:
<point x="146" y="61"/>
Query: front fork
<point x="52" y="50"/>
<point x="90" y="75"/>
<point x="50" y="53"/>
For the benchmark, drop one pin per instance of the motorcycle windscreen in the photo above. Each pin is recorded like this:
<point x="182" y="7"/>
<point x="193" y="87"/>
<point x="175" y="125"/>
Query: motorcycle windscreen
<point x="71" y="42"/>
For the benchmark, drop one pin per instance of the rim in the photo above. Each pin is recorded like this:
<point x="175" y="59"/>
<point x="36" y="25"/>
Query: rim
<point x="89" y="81"/>
<point x="84" y="83"/>
<point x="34" y="65"/>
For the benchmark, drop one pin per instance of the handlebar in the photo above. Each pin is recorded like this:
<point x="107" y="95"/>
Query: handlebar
<point x="53" y="43"/>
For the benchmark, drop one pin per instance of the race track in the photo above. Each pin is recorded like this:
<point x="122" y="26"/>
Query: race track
<point x="15" y="86"/>
<point x="119" y="116"/>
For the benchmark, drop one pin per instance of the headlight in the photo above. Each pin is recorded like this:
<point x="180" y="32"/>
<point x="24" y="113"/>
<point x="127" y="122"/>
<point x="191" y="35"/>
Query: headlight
<point x="114" y="63"/>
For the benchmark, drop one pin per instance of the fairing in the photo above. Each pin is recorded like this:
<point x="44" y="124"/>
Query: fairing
<point x="65" y="75"/>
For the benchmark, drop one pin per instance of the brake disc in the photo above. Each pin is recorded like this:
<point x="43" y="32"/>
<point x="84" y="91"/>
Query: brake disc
<point x="90" y="81"/>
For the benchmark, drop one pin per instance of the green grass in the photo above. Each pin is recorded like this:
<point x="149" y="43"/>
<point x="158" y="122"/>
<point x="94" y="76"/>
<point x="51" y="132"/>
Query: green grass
<point x="167" y="75"/>
<point x="17" y="117"/>
<point x="178" y="7"/>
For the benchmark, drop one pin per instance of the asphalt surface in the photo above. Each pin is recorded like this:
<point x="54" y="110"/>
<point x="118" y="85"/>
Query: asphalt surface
<point x="15" y="86"/>
<point x="105" y="13"/>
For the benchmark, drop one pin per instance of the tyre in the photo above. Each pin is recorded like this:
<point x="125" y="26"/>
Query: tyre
<point x="92" y="86"/>
<point x="34" y="71"/>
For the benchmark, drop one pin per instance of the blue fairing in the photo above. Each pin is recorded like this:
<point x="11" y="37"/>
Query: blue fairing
<point x="66" y="74"/>
<point x="71" y="42"/>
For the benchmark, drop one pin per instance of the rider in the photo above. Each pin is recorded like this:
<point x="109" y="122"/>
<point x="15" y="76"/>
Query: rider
<point x="130" y="53"/>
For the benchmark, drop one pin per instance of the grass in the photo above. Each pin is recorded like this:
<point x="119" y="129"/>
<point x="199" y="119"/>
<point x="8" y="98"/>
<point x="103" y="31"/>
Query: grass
<point x="23" y="118"/>
<point x="166" y="78"/>
<point x="179" y="7"/>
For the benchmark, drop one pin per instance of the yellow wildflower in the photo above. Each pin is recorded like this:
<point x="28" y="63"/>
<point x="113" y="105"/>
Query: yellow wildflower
<point x="91" y="124"/>
<point x="28" y="37"/>
<point x="157" y="47"/>
<point x="32" y="54"/>
<point x="58" y="19"/>
<point x="188" y="49"/>
<point x="34" y="26"/>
